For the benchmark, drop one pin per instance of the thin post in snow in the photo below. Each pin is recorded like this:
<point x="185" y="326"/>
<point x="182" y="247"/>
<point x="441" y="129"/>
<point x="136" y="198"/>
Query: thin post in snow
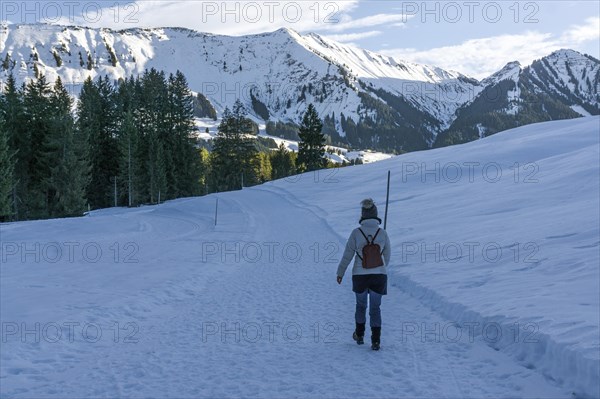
<point x="216" y="210"/>
<point x="129" y="187"/>
<point x="387" y="201"/>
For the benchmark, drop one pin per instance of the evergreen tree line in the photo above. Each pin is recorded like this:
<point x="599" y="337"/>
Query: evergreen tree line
<point x="129" y="143"/>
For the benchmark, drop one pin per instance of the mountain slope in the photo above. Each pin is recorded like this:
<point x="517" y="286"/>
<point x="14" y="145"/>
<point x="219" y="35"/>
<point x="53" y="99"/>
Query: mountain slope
<point x="280" y="72"/>
<point x="368" y="100"/>
<point x="563" y="85"/>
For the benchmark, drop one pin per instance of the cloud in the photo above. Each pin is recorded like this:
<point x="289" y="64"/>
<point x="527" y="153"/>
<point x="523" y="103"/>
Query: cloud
<point x="237" y="18"/>
<point x="370" y="21"/>
<point x="590" y="30"/>
<point x="229" y="18"/>
<point x="348" y="37"/>
<point x="482" y="57"/>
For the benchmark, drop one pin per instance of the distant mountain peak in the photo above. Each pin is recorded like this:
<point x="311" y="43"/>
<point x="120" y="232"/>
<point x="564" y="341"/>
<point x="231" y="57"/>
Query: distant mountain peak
<point x="287" y="31"/>
<point x="565" y="52"/>
<point x="509" y="71"/>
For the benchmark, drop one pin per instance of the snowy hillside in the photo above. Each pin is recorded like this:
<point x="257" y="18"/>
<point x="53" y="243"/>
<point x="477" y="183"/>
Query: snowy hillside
<point x="282" y="70"/>
<point x="570" y="75"/>
<point x="562" y="85"/>
<point x="435" y="90"/>
<point x="494" y="283"/>
<point x="369" y="100"/>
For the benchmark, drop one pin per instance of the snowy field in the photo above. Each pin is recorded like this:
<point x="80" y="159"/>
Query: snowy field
<point x="494" y="286"/>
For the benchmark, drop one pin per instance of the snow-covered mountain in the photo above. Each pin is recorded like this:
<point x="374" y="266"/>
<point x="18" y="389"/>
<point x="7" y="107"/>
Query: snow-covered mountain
<point x="509" y="71"/>
<point x="370" y="100"/>
<point x="564" y="84"/>
<point x="567" y="75"/>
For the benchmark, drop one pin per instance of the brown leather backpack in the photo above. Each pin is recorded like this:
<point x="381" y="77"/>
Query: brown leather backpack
<point x="371" y="253"/>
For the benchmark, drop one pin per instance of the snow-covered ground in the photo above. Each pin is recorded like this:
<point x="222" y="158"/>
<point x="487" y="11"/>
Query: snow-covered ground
<point x="580" y="110"/>
<point x="494" y="284"/>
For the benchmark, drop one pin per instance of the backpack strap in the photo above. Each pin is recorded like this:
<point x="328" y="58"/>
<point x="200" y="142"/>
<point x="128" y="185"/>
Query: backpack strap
<point x="363" y="233"/>
<point x="374" y="239"/>
<point x="375" y="236"/>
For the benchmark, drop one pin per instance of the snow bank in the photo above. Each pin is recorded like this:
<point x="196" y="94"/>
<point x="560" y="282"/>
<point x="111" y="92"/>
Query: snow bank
<point x="503" y="232"/>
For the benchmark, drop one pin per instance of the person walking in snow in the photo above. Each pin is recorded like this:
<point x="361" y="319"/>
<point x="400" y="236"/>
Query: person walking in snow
<point x="371" y="245"/>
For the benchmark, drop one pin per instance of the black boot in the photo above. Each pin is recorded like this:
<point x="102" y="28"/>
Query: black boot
<point x="375" y="338"/>
<point x="359" y="333"/>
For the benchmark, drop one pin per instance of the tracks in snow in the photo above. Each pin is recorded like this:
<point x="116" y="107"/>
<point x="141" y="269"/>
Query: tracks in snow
<point x="268" y="324"/>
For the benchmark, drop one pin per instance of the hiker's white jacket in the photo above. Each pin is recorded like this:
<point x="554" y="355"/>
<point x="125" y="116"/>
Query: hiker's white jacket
<point x="355" y="244"/>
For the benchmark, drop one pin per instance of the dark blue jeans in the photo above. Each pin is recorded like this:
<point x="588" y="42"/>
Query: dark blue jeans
<point x="374" y="311"/>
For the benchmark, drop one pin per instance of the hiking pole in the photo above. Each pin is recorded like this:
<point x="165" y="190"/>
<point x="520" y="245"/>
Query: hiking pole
<point x="387" y="201"/>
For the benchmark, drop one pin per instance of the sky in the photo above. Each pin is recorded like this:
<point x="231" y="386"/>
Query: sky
<point x="476" y="38"/>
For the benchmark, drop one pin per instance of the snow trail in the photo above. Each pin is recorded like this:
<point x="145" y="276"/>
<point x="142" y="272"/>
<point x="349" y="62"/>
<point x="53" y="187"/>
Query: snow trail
<point x="211" y="325"/>
<point x="159" y="302"/>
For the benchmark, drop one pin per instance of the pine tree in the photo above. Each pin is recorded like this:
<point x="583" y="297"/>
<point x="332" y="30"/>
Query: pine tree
<point x="184" y="171"/>
<point x="282" y="163"/>
<point x="234" y="158"/>
<point x="311" y="147"/>
<point x="69" y="171"/>
<point x="223" y="156"/>
<point x="97" y="119"/>
<point x="204" y="170"/>
<point x="37" y="111"/>
<point x="127" y="96"/>
<point x="156" y="170"/>
<point x="6" y="170"/>
<point x="19" y="140"/>
<point x="265" y="167"/>
<point x="6" y="62"/>
<point x="129" y="155"/>
<point x="156" y="144"/>
<point x="129" y="138"/>
<point x="90" y="62"/>
<point x="246" y="151"/>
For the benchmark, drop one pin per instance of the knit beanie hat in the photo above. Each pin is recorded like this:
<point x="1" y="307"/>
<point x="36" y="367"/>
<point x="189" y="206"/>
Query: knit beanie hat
<point x="368" y="210"/>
